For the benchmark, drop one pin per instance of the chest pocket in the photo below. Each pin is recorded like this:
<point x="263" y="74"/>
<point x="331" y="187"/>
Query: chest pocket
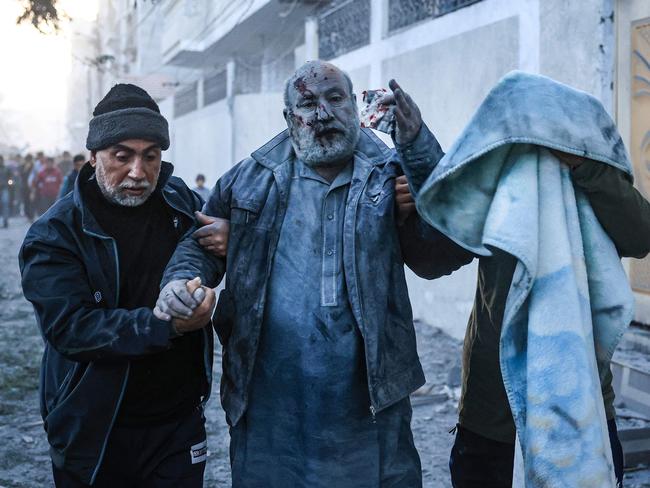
<point x="378" y="191"/>
<point x="247" y="213"/>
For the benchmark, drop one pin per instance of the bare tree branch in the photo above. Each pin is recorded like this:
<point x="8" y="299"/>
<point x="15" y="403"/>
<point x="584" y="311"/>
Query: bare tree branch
<point x="41" y="14"/>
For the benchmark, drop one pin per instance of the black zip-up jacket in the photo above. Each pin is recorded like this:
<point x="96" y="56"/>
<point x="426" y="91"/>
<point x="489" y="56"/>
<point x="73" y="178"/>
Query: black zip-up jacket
<point x="70" y="273"/>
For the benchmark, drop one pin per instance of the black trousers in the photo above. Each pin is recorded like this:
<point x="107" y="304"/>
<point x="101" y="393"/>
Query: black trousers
<point x="479" y="462"/>
<point x="161" y="456"/>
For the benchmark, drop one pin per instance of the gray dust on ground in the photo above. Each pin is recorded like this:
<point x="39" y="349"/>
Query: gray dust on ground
<point x="24" y="459"/>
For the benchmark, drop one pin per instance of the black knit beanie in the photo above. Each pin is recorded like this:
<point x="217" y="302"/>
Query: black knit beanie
<point x="126" y="112"/>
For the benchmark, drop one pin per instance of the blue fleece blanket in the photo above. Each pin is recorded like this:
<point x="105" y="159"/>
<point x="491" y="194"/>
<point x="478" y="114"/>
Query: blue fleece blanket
<point x="569" y="301"/>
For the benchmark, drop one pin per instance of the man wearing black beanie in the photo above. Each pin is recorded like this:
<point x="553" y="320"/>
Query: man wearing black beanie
<point x="122" y="391"/>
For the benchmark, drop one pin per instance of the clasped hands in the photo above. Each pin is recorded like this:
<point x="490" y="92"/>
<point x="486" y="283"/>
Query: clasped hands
<point x="187" y="303"/>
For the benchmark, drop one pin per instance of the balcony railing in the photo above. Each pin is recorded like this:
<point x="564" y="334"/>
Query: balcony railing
<point x="343" y="27"/>
<point x="402" y="13"/>
<point x="186" y="100"/>
<point x="215" y="87"/>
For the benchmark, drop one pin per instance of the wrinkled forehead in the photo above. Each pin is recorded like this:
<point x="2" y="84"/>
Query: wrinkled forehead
<point x="313" y="80"/>
<point x="136" y="145"/>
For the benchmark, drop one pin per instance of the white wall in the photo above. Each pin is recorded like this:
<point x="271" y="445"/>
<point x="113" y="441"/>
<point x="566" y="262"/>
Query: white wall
<point x="577" y="45"/>
<point x="210" y="140"/>
<point x="201" y="143"/>
<point x="182" y="23"/>
<point x="258" y="117"/>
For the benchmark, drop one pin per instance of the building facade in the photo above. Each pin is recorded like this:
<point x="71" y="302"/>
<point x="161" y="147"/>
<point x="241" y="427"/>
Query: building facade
<point x="217" y="69"/>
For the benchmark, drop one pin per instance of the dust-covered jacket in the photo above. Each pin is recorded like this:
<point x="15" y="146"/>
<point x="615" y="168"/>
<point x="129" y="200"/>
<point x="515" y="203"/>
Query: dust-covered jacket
<point x="70" y="273"/>
<point x="253" y="195"/>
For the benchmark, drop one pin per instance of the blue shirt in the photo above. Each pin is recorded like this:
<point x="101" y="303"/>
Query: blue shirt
<point x="309" y="421"/>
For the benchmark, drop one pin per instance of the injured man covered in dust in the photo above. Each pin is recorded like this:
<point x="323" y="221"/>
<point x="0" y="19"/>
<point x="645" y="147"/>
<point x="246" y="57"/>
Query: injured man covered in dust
<point x="315" y="320"/>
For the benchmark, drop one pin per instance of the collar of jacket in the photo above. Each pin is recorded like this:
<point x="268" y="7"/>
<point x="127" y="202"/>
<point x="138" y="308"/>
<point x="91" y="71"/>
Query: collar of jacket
<point x="88" y="221"/>
<point x="279" y="149"/>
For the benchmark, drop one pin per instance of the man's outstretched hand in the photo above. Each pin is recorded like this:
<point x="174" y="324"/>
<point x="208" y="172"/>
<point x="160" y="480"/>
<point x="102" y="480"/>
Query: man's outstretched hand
<point x="186" y="303"/>
<point x="407" y="114"/>
<point x="213" y="236"/>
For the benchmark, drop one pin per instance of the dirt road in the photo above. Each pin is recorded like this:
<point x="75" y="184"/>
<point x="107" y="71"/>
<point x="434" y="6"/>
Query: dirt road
<point x="24" y="460"/>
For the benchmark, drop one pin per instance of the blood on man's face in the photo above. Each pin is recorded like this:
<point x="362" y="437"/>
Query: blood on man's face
<point x="322" y="115"/>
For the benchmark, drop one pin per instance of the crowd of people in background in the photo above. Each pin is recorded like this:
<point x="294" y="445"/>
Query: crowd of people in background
<point x="30" y="184"/>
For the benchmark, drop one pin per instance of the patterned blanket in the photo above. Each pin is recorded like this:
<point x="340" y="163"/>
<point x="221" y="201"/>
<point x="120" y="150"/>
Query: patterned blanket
<point x="569" y="301"/>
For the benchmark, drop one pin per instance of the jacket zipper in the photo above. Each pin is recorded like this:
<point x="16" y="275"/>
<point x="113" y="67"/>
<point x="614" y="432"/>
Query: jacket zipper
<point x="373" y="410"/>
<point x="128" y="365"/>
<point x="272" y="249"/>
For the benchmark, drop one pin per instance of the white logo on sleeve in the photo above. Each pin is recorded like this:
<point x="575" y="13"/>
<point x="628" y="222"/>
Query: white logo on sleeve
<point x="98" y="296"/>
<point x="199" y="452"/>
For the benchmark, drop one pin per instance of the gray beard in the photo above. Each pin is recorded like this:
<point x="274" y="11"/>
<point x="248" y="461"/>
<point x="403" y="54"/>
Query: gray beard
<point x="327" y="154"/>
<point x="114" y="195"/>
<point x="315" y="155"/>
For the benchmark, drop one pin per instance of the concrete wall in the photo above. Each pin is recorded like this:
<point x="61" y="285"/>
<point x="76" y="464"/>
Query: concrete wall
<point x="448" y="91"/>
<point x="201" y="143"/>
<point x="210" y="140"/>
<point x="577" y="45"/>
<point x="258" y="118"/>
<point x="183" y="21"/>
<point x="447" y="103"/>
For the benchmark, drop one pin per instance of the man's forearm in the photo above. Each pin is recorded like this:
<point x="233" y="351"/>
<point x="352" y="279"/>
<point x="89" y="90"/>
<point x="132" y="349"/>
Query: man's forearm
<point x="419" y="157"/>
<point x="619" y="207"/>
<point x="91" y="334"/>
<point x="72" y="322"/>
<point x="429" y="253"/>
<point x="191" y="260"/>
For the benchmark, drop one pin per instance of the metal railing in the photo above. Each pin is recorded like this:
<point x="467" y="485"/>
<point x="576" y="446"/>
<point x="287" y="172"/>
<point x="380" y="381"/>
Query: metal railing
<point x="343" y="27"/>
<point x="186" y="100"/>
<point x="402" y="13"/>
<point x="215" y="87"/>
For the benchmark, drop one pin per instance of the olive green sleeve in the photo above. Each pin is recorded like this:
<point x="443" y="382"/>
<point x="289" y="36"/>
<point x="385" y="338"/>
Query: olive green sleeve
<point x="619" y="207"/>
